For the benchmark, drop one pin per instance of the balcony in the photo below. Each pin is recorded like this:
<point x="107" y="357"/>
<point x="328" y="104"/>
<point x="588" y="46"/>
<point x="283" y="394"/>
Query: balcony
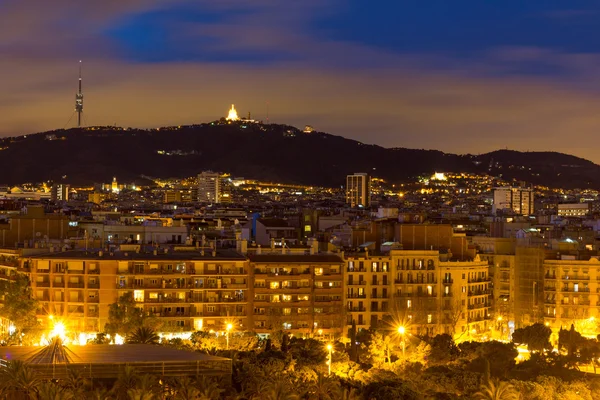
<point x="357" y="309"/>
<point x="356" y="296"/>
<point x="550" y="288"/>
<point x="58" y="284"/>
<point x="42" y="284"/>
<point x="480" y="292"/>
<point x="548" y="276"/>
<point x="76" y="285"/>
<point x="93" y="300"/>
<point x="550" y="301"/>
<point x="575" y="278"/>
<point x="446" y="281"/>
<point x="478" y="306"/>
<point x="359" y="283"/>
<point x="479" y="280"/>
<point x="93" y="285"/>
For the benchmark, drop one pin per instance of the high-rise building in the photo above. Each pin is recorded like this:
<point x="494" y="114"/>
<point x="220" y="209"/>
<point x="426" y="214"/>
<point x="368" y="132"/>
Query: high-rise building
<point x="209" y="187"/>
<point x="358" y="190"/>
<point x="60" y="192"/>
<point x="516" y="199"/>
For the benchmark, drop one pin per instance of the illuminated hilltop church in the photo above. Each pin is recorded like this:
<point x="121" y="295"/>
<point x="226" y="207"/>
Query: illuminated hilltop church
<point x="232" y="116"/>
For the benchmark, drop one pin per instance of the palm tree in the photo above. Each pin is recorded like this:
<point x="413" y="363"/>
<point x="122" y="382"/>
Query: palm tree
<point x="101" y="394"/>
<point x="76" y="383"/>
<point x="143" y="335"/>
<point x="324" y="388"/>
<point x="128" y="379"/>
<point x="184" y="388"/>
<point x="494" y="389"/>
<point x="52" y="391"/>
<point x="278" y="390"/>
<point x="209" y="389"/>
<point x="17" y="377"/>
<point x="145" y="390"/>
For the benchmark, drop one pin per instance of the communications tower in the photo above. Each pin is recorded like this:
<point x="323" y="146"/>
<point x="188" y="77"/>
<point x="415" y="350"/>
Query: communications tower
<point x="79" y="100"/>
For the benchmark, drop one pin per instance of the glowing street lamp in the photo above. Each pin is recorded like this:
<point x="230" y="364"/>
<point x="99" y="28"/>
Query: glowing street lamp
<point x="228" y="328"/>
<point x="401" y="332"/>
<point x="330" y="348"/>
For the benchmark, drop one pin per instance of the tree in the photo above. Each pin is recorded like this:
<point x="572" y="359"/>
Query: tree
<point x="494" y="389"/>
<point x="443" y="349"/>
<point x="324" y="388"/>
<point x="570" y="340"/>
<point x="19" y="306"/>
<point x="17" y="377"/>
<point x="536" y="337"/>
<point x="381" y="349"/>
<point x="123" y="316"/>
<point x="308" y="351"/>
<point x="209" y="389"/>
<point x="353" y="345"/>
<point x="499" y="357"/>
<point x="143" y="335"/>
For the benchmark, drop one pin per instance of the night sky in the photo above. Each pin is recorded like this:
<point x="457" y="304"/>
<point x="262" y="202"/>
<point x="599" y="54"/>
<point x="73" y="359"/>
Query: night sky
<point x="460" y="76"/>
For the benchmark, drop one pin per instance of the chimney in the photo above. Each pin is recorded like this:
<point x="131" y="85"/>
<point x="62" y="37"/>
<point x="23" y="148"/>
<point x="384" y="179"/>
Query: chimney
<point x="100" y="253"/>
<point x="214" y="253"/>
<point x="155" y="252"/>
<point x="272" y="244"/>
<point x="258" y="250"/>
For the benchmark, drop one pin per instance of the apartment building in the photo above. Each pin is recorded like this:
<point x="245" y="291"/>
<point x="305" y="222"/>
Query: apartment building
<point x="299" y="293"/>
<point x="187" y="288"/>
<point x="367" y="289"/>
<point x="420" y="290"/>
<point x="572" y="293"/>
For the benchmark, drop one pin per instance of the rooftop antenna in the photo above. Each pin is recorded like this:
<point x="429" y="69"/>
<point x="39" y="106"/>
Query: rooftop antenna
<point x="79" y="100"/>
<point x="267" y="112"/>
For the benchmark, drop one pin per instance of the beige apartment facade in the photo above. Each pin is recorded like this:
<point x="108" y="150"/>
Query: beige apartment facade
<point x="301" y="294"/>
<point x="186" y="290"/>
<point x="417" y="290"/>
<point x="572" y="294"/>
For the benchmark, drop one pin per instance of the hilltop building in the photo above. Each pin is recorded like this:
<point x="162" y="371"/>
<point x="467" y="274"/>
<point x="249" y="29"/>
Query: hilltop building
<point x="233" y="115"/>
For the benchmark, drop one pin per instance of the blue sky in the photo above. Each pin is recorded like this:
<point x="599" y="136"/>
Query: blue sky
<point x="460" y="76"/>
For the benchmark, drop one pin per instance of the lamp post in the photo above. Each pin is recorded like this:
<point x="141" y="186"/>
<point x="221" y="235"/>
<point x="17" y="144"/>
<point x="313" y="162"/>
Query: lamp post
<point x="228" y="328"/>
<point x="402" y="331"/>
<point x="330" y="348"/>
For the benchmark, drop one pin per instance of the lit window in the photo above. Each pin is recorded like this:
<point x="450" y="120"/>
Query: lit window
<point x="429" y="318"/>
<point x="138" y="295"/>
<point x="153" y="295"/>
<point x="408" y="303"/>
<point x="287" y="297"/>
<point x="274" y="285"/>
<point x="318" y="271"/>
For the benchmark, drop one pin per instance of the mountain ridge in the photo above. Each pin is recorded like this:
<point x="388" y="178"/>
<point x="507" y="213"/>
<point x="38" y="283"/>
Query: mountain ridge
<point x="260" y="151"/>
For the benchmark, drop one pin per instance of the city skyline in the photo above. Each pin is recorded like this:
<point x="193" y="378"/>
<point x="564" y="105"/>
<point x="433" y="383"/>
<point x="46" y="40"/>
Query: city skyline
<point x="466" y="78"/>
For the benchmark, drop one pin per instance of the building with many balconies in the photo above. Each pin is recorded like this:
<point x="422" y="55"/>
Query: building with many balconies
<point x="420" y="290"/>
<point x="186" y="288"/>
<point x="572" y="293"/>
<point x="299" y="293"/>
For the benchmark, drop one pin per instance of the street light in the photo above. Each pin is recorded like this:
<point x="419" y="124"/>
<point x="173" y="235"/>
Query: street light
<point x="330" y="348"/>
<point x="402" y="331"/>
<point x="228" y="328"/>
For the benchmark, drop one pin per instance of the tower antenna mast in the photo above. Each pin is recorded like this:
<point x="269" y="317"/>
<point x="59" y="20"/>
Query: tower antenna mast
<point x="79" y="100"/>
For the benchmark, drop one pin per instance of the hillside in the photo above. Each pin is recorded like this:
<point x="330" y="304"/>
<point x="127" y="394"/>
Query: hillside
<point x="266" y="152"/>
